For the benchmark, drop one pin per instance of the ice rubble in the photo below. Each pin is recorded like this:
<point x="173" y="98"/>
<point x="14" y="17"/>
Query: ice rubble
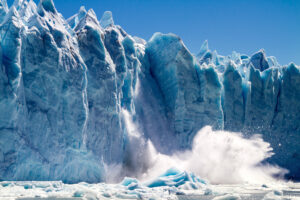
<point x="65" y="83"/>
<point x="84" y="191"/>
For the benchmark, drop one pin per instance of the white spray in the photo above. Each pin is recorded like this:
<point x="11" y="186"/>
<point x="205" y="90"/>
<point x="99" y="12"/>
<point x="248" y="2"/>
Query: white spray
<point x="221" y="157"/>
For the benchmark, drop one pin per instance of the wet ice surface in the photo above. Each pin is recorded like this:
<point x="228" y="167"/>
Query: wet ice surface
<point x="84" y="191"/>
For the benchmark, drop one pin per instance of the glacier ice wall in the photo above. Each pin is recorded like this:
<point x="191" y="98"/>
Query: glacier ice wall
<point x="66" y="83"/>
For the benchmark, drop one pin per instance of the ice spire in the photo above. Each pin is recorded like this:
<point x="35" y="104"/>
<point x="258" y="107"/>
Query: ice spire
<point x="107" y="19"/>
<point x="92" y="14"/>
<point x="89" y="18"/>
<point x="82" y="12"/>
<point x="75" y="19"/>
<point x="203" y="49"/>
<point x="259" y="60"/>
<point x="46" y="5"/>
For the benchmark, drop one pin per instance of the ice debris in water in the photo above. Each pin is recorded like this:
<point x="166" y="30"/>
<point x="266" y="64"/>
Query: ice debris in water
<point x="130" y="183"/>
<point x="58" y="190"/>
<point x="175" y="177"/>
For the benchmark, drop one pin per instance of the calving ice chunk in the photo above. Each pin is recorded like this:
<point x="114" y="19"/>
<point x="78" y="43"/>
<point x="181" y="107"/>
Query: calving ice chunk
<point x="78" y="97"/>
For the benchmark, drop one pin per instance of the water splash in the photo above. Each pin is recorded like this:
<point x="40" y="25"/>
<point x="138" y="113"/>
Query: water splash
<point x="221" y="157"/>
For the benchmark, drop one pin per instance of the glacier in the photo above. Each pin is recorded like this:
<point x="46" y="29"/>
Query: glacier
<point x="68" y="87"/>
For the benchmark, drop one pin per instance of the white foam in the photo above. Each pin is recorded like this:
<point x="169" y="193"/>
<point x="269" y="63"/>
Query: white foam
<point x="221" y="157"/>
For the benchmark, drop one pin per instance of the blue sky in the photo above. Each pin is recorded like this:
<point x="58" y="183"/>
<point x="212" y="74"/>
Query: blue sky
<point x="239" y="25"/>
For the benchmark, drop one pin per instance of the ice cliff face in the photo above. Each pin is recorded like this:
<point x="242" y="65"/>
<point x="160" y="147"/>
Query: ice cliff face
<point x="65" y="84"/>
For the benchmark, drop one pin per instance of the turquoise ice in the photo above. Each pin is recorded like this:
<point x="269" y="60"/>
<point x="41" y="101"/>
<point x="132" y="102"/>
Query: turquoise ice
<point x="64" y="86"/>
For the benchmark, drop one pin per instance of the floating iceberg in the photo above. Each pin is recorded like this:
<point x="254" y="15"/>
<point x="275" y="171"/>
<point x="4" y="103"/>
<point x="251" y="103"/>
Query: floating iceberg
<point x="175" y="177"/>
